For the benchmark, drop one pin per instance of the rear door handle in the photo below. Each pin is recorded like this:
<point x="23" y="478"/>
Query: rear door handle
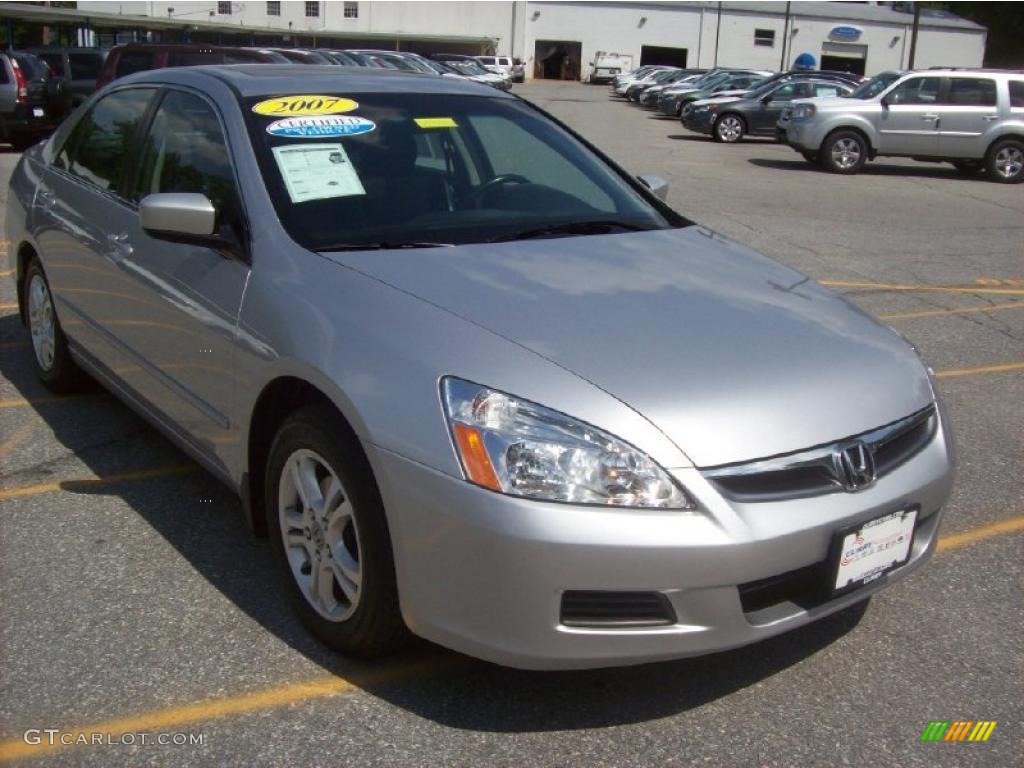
<point x="929" y="117"/>
<point x="990" y="118"/>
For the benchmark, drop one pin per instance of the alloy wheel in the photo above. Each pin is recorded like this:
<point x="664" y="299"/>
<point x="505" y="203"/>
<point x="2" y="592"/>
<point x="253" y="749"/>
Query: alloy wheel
<point x="320" y="535"/>
<point x="846" y="153"/>
<point x="1009" y="162"/>
<point x="41" y="322"/>
<point x="730" y="128"/>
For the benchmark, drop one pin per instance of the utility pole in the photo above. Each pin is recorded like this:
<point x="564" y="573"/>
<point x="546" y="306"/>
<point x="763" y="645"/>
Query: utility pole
<point x="913" y="35"/>
<point x="718" y="31"/>
<point x="785" y="39"/>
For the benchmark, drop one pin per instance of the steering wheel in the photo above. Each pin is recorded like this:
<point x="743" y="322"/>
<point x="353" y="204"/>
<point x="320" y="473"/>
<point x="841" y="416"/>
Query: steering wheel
<point x="475" y="198"/>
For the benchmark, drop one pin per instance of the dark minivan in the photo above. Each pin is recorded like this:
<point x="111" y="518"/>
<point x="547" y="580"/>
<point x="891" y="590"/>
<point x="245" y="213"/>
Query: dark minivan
<point x="140" y="57"/>
<point x="79" y="67"/>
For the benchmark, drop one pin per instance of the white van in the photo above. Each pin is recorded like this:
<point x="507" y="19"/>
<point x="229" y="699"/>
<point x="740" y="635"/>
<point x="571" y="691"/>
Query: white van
<point x="607" y="65"/>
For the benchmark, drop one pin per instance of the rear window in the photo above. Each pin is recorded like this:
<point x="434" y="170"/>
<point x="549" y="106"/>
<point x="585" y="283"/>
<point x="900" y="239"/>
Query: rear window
<point x="130" y="62"/>
<point x="1017" y="93"/>
<point x="34" y="69"/>
<point x="55" y="62"/>
<point x="85" y="66"/>
<point x="194" y="58"/>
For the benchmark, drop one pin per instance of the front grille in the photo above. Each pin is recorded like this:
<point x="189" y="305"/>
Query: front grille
<point x="586" y="608"/>
<point x="815" y="472"/>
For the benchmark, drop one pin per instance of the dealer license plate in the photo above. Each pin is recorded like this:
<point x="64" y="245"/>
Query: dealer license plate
<point x="38" y="112"/>
<point x="871" y="550"/>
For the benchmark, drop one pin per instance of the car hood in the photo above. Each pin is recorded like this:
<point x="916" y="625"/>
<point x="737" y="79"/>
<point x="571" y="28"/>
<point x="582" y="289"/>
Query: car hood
<point x="730" y="354"/>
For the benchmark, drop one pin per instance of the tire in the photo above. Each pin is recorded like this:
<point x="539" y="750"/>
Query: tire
<point x="1005" y="161"/>
<point x="50" y="355"/>
<point x="728" y="129"/>
<point x="843" y="152"/>
<point x="339" y="566"/>
<point x="810" y="157"/>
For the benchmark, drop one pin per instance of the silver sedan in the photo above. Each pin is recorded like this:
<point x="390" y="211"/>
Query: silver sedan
<point x="471" y="378"/>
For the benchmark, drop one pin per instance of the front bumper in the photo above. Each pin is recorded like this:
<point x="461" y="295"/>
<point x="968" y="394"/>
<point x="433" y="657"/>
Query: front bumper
<point x="701" y="122"/>
<point x="801" y="136"/>
<point x="484" y="573"/>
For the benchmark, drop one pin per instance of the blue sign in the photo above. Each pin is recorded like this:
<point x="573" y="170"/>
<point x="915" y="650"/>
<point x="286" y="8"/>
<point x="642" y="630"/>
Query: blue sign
<point x="846" y="33"/>
<point x="319" y="126"/>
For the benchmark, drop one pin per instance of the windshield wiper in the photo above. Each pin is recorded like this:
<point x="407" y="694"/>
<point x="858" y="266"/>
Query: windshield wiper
<point x="591" y="227"/>
<point x="380" y="245"/>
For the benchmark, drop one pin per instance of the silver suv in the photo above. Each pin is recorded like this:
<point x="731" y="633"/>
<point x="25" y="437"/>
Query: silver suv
<point x="971" y="118"/>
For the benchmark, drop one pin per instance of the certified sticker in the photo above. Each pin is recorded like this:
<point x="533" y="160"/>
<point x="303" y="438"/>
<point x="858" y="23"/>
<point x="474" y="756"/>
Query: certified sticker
<point x="305" y="104"/>
<point x="319" y="127"/>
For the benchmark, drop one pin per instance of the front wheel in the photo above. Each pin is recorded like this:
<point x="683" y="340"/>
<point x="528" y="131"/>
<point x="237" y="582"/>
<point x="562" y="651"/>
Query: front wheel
<point x="844" y="152"/>
<point x="1005" y="162"/>
<point x="328" y="530"/>
<point x="728" y="129"/>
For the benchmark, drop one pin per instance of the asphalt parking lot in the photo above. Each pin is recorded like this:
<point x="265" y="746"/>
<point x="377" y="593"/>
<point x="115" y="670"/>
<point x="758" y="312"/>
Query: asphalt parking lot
<point x="134" y="601"/>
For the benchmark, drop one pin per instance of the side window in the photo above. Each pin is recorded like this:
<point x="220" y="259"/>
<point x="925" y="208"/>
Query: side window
<point x="972" y="92"/>
<point x="825" y="89"/>
<point x="131" y="62"/>
<point x="85" y="66"/>
<point x="1017" y="93"/>
<point x="4" y="65"/>
<point x="185" y="151"/>
<point x="917" y="90"/>
<point x="101" y="143"/>
<point x="787" y="92"/>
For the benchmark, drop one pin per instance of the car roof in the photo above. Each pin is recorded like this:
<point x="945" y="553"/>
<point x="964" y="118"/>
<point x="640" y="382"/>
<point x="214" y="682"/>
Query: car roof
<point x="276" y="79"/>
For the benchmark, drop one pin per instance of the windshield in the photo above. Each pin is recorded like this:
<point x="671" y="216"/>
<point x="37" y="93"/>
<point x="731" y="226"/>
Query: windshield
<point x="420" y="169"/>
<point x="467" y="67"/>
<point x="875" y="85"/>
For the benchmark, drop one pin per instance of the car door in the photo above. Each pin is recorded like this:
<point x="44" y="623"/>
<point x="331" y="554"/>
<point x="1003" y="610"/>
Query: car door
<point x="968" y="110"/>
<point x="78" y="209"/>
<point x="181" y="329"/>
<point x="908" y="123"/>
<point x="769" y="109"/>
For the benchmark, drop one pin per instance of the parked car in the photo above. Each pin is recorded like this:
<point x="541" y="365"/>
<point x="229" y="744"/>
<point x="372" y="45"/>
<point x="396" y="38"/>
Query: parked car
<point x="729" y="84"/>
<point x="971" y="118"/>
<point x="32" y="101"/>
<point x="729" y="120"/>
<point x="621" y="82"/>
<point x="141" y="57"/>
<point x="669" y="102"/>
<point x="468" y="375"/>
<point x="499" y="65"/>
<point x="471" y="68"/>
<point x="606" y="66"/>
<point x="78" y="67"/>
<point x="632" y="88"/>
<point x="303" y="56"/>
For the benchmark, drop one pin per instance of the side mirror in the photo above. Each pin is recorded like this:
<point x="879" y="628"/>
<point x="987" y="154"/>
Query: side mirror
<point x="178" y="215"/>
<point x="885" y="102"/>
<point x="766" y="99"/>
<point x="657" y="185"/>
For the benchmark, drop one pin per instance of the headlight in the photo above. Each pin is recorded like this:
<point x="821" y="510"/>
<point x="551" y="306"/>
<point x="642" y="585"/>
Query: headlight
<point x="705" y="107"/>
<point x="803" y="112"/>
<point x="517" y="447"/>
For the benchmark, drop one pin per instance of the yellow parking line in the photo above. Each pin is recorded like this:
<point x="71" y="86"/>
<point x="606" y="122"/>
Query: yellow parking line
<point x="36" y="401"/>
<point x="16" y="439"/>
<point x="87" y="482"/>
<point x="6" y="272"/>
<point x="225" y="706"/>
<point x="957" y="540"/>
<point x="1000" y="368"/>
<point x="9" y="305"/>
<point x="923" y="288"/>
<point x="961" y="311"/>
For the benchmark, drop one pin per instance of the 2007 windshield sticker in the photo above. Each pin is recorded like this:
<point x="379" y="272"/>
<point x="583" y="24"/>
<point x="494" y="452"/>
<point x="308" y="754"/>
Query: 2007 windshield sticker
<point x="319" y="127"/>
<point x="305" y="104"/>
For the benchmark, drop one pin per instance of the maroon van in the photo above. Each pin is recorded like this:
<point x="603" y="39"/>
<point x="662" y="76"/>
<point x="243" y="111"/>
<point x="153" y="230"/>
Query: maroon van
<point x="139" y="57"/>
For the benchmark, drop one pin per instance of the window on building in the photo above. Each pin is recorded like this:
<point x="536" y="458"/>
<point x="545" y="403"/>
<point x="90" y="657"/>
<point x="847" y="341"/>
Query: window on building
<point x="1017" y="93"/>
<point x="224" y="9"/>
<point x="274" y="8"/>
<point x="351" y="10"/>
<point x="765" y="37"/>
<point x="312" y="9"/>
<point x="972" y="92"/>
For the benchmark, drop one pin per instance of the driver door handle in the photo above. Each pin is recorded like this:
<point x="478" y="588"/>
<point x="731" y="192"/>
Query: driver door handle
<point x="930" y="117"/>
<point x="120" y="248"/>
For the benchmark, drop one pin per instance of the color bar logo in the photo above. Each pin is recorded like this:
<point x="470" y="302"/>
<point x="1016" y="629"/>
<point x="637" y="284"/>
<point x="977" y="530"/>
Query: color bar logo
<point x="958" y="730"/>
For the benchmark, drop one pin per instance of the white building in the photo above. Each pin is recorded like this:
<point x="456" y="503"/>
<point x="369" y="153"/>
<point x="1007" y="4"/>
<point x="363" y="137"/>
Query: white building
<point x="556" y="38"/>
